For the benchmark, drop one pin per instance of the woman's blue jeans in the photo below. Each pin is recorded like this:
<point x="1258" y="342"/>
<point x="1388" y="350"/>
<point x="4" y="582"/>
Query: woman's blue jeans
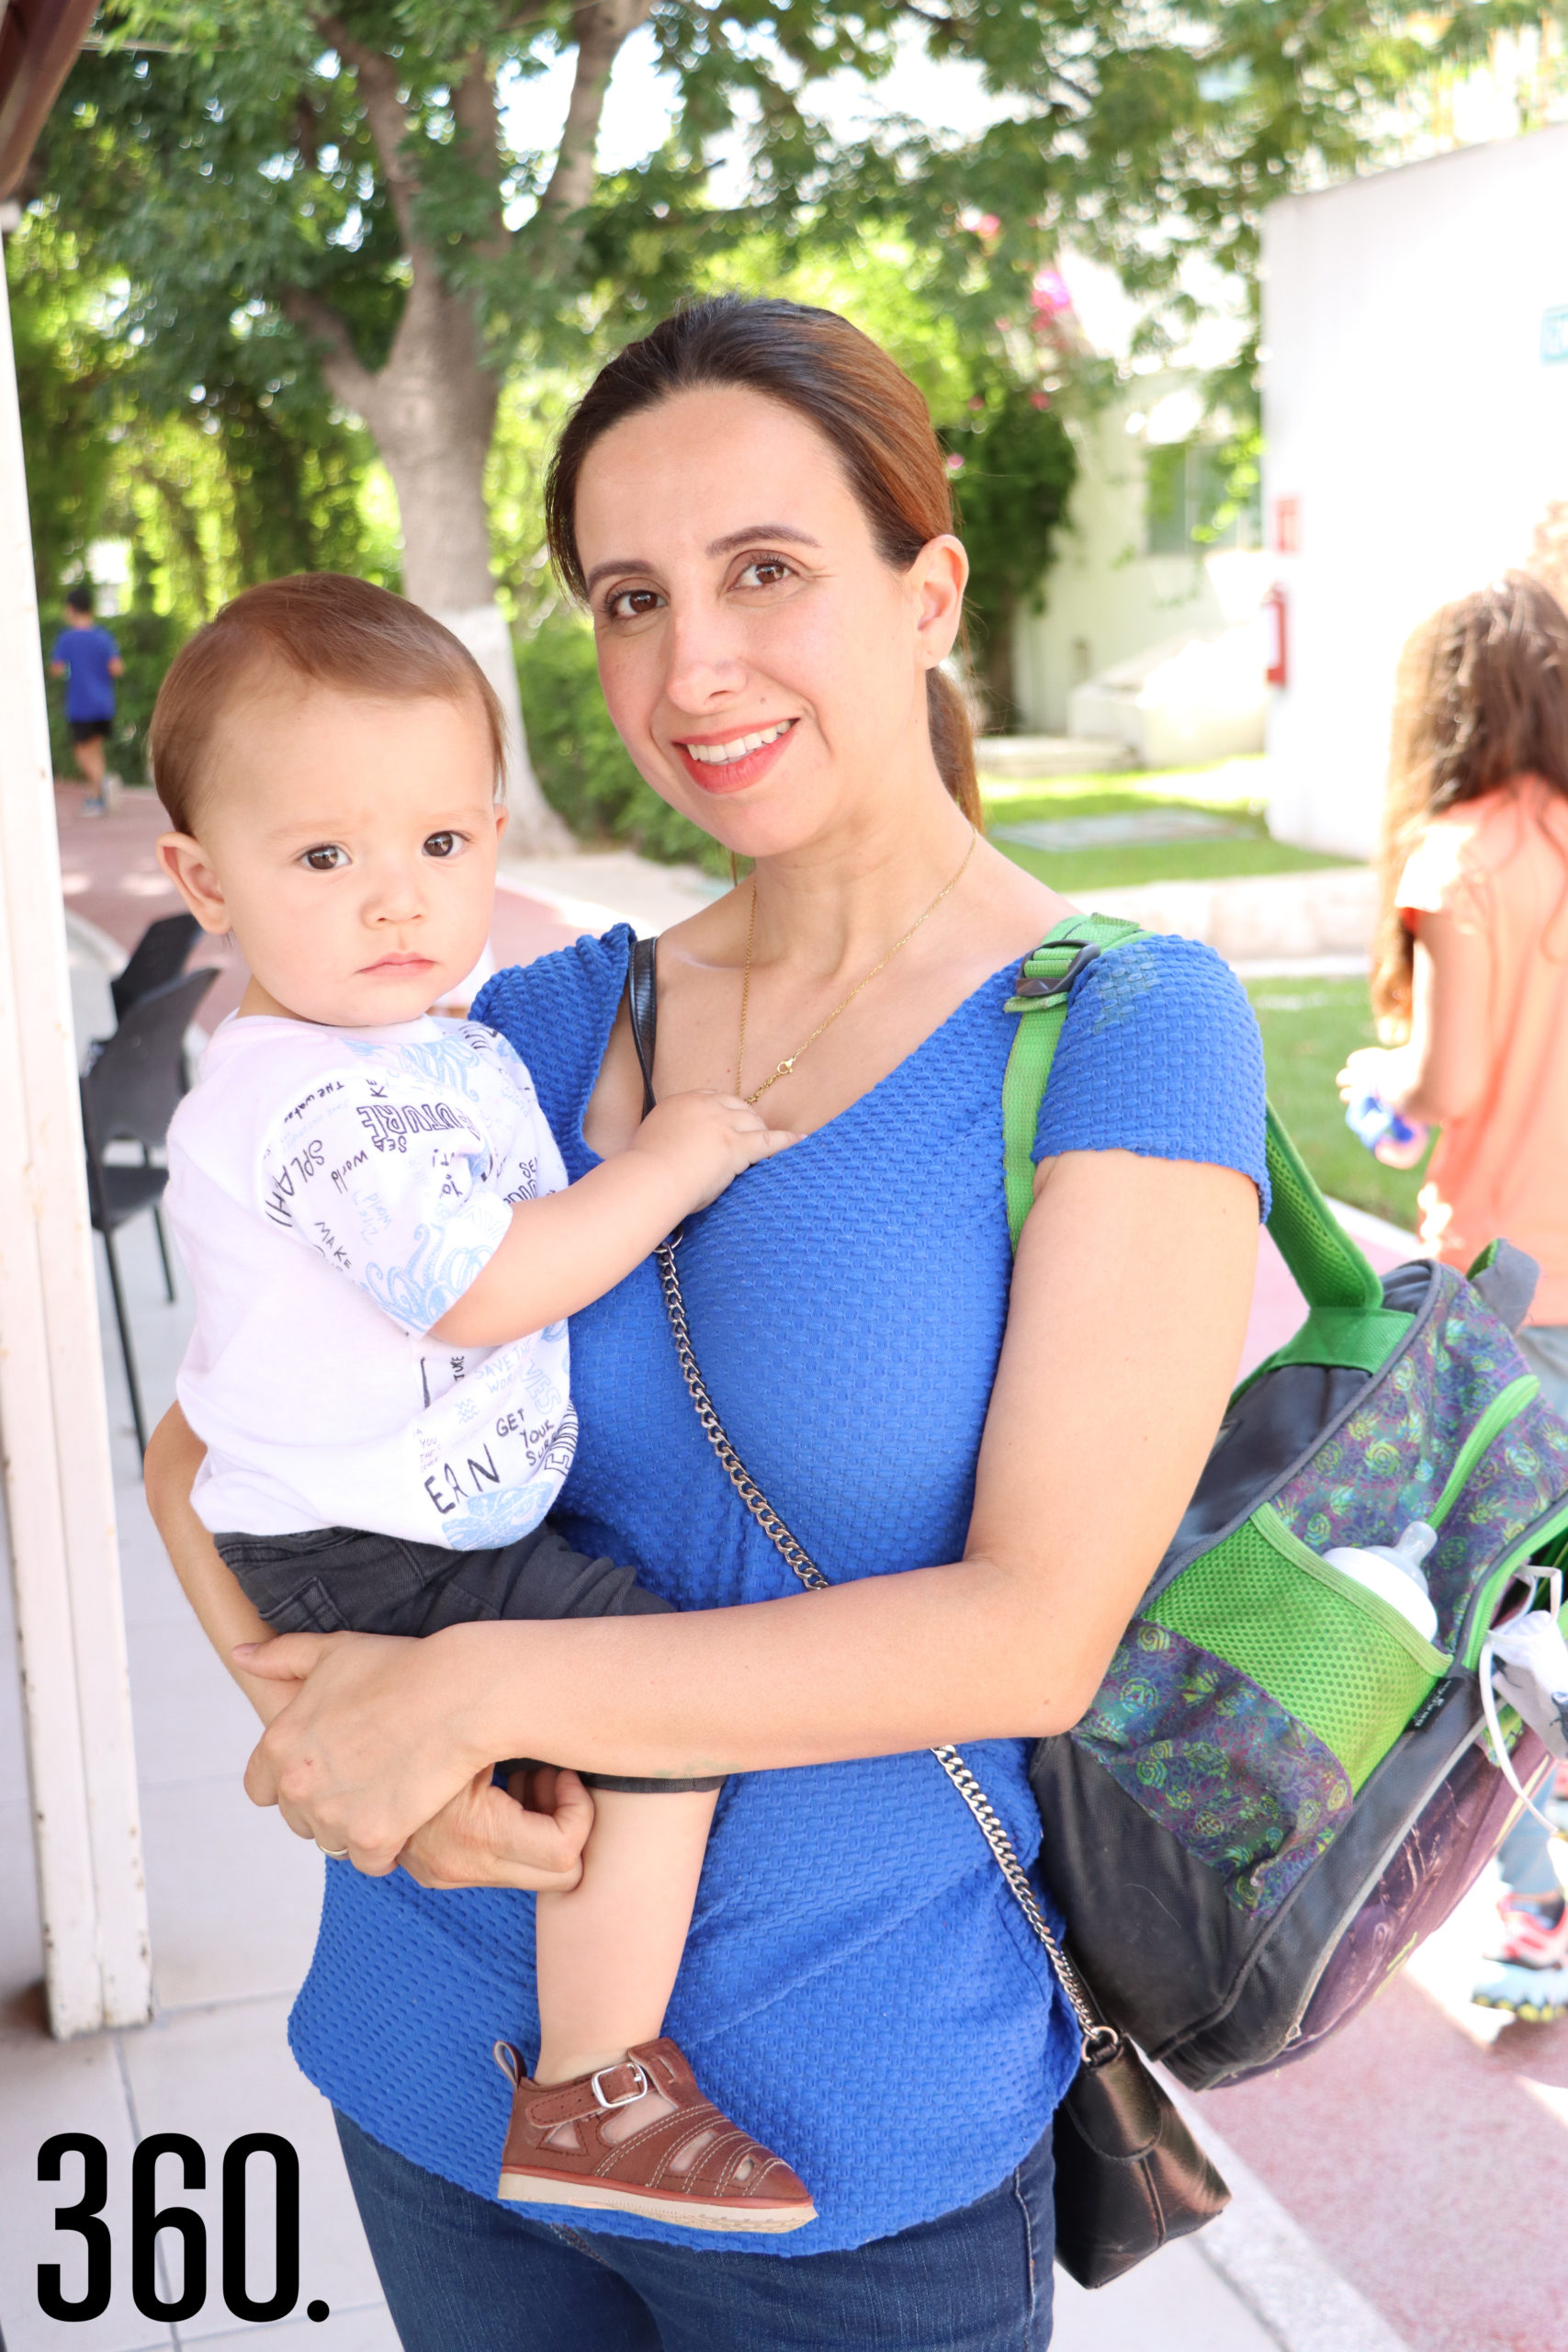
<point x="464" y="2275"/>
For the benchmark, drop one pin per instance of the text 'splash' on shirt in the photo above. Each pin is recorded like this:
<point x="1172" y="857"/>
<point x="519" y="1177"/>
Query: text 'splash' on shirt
<point x="334" y="1192"/>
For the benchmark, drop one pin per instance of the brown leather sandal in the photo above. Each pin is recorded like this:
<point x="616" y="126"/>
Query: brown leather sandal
<point x="686" y="2162"/>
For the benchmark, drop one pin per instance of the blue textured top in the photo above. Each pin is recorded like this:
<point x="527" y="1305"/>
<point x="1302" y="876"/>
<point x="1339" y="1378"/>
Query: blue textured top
<point x="858" y="1987"/>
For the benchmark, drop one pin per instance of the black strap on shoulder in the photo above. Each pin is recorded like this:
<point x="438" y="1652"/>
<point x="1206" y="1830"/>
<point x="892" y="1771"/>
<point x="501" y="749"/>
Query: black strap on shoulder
<point x="642" y="999"/>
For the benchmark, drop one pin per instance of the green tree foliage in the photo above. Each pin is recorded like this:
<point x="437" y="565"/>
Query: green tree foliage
<point x="245" y="166"/>
<point x="271" y="173"/>
<point x="213" y="485"/>
<point x="297" y="202"/>
<point x="64" y="377"/>
<point x="1015" y="466"/>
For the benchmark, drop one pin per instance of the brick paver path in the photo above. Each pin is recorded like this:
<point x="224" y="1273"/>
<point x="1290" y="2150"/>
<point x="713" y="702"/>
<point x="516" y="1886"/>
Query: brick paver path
<point x="110" y="876"/>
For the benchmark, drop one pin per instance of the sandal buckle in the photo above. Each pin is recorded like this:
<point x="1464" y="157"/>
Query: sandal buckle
<point x="627" y="2098"/>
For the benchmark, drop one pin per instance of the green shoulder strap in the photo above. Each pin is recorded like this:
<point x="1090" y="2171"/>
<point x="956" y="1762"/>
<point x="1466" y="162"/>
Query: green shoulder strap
<point x="1346" y="1321"/>
<point x="1041" y="1000"/>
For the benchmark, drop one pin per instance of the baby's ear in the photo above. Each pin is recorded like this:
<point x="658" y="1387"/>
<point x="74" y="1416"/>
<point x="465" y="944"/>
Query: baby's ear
<point x="185" y="863"/>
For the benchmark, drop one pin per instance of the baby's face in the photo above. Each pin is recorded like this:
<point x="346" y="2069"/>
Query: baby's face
<point x="350" y="845"/>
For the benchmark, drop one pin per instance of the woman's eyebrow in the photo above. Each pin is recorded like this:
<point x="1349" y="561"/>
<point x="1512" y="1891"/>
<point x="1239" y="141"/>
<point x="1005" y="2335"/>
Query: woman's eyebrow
<point x="727" y="546"/>
<point x="733" y="539"/>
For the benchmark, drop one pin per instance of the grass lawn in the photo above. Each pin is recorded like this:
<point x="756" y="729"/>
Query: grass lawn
<point x="1308" y="1028"/>
<point x="1247" y="849"/>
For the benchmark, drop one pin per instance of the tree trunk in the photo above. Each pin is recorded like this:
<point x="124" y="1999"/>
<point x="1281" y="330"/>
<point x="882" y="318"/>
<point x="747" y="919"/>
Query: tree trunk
<point x="430" y="413"/>
<point x="431" y="408"/>
<point x="995" y="632"/>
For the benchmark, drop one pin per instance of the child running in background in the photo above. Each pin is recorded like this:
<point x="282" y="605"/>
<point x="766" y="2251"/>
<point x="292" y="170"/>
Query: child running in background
<point x="1469" y="985"/>
<point x="384" y="1250"/>
<point x="87" y="658"/>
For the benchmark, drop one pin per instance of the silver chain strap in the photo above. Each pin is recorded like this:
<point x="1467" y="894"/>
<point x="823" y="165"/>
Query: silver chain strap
<point x="1101" y="2041"/>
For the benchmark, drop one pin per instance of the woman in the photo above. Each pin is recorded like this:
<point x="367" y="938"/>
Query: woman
<point x="754" y="506"/>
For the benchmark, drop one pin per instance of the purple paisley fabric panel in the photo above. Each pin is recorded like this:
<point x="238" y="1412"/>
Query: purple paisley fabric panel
<point x="1521" y="1474"/>
<point x="1388" y="1464"/>
<point x="1213" y="1760"/>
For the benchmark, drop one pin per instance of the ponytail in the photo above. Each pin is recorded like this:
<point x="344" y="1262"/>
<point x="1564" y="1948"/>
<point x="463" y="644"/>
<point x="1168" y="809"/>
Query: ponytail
<point x="953" y="743"/>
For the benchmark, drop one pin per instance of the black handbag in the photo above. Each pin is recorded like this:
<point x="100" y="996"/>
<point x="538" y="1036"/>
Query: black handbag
<point x="1129" y="2174"/>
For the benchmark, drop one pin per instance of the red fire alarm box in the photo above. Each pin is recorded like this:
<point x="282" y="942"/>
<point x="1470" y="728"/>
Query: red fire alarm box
<point x="1277" y="672"/>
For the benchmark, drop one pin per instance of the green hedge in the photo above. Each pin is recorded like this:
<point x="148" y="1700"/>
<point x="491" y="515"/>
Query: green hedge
<point x="579" y="760"/>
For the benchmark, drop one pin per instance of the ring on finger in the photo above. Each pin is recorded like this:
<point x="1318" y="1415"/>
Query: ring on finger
<point x="334" y="1853"/>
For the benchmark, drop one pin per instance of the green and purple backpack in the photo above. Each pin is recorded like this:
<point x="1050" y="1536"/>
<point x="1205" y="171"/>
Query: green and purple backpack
<point x="1280" y="1788"/>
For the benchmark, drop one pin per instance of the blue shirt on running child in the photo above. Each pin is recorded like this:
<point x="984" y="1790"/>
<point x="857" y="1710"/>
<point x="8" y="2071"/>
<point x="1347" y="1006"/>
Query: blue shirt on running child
<point x="85" y="654"/>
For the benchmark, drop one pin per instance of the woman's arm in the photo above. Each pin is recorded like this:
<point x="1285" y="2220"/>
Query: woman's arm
<point x="1128" y="1305"/>
<point x="173" y="1456"/>
<point x="479" y="1836"/>
<point x="1441" y="1073"/>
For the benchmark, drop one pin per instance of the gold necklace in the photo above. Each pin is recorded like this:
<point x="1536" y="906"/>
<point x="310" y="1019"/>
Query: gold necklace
<point x="783" y="1069"/>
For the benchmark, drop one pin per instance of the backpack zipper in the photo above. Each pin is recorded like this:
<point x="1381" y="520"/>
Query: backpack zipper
<point x="1505" y="1406"/>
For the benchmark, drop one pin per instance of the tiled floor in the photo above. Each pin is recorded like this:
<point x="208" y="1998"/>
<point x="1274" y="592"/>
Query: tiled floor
<point x="234" y="1899"/>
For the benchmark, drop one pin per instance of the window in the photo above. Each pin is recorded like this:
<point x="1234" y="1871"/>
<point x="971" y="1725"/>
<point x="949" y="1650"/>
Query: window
<point x="1191" y="505"/>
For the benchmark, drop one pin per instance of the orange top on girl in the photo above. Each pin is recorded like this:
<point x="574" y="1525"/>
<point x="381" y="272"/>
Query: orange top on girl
<point x="1471" y="976"/>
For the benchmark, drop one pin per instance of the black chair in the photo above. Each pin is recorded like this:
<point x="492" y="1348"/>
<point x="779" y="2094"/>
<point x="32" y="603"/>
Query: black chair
<point x="158" y="957"/>
<point x="129" y="1092"/>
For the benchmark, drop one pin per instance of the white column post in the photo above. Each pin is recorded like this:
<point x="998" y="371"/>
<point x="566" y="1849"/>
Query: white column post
<point x="54" y="1441"/>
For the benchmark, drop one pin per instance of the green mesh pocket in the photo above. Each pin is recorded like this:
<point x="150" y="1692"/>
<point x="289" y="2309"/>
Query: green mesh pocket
<point x="1333" y="1655"/>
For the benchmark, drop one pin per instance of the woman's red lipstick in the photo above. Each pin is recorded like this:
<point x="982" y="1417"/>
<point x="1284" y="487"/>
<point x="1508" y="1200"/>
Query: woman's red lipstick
<point x="734" y="776"/>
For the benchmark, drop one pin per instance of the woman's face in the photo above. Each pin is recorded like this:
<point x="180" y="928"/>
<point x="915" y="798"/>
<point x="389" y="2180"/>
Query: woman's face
<point x="764" y="666"/>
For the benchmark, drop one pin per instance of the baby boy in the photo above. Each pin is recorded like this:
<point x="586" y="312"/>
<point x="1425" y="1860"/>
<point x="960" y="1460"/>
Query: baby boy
<point x="384" y="1251"/>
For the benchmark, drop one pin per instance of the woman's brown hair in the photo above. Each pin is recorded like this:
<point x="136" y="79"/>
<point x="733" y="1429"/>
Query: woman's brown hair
<point x="1482" y="697"/>
<point x="860" y="400"/>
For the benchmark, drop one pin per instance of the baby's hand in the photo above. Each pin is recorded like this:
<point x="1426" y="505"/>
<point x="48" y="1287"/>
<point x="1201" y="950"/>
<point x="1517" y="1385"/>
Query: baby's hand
<point x="706" y="1140"/>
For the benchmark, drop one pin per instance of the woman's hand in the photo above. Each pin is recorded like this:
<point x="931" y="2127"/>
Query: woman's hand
<point x="365" y="1758"/>
<point x="368" y="1750"/>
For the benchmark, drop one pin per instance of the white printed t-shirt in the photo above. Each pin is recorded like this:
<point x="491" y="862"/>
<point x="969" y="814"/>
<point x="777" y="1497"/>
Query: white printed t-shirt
<point x="334" y="1192"/>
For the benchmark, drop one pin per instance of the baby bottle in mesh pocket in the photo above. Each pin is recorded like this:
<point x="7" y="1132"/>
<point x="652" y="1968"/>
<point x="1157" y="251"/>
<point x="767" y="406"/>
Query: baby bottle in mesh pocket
<point x="1393" y="1572"/>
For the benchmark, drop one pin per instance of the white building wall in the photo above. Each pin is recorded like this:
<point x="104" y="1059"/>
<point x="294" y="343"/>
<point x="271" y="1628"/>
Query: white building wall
<point x="1411" y="413"/>
<point x="1106" y="601"/>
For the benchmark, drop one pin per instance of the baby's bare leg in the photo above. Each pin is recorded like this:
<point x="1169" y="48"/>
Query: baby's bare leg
<point x="607" y="1952"/>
